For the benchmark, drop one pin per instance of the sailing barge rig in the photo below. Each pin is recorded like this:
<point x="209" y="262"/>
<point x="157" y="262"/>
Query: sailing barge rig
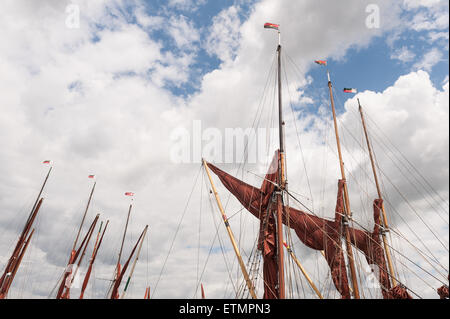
<point x="270" y="205"/>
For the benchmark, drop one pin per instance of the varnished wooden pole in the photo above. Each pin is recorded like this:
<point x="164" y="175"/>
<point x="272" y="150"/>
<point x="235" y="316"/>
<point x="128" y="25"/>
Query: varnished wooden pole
<point x="282" y="171"/>
<point x="377" y="184"/>
<point x="346" y="200"/>
<point x="84" y="216"/>
<point x="134" y="264"/>
<point x="230" y="234"/>
<point x="302" y="269"/>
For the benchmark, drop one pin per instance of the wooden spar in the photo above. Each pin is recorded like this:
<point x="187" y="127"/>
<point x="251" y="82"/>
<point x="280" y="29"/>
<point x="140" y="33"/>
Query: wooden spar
<point x="147" y="293"/>
<point x="63" y="293"/>
<point x="203" y="291"/>
<point x="22" y="238"/>
<point x="82" y="255"/>
<point x="384" y="220"/>
<point x="19" y="247"/>
<point x="115" y="293"/>
<point x="42" y="188"/>
<point x="124" y="234"/>
<point x="302" y="269"/>
<point x="117" y="270"/>
<point x="91" y="262"/>
<point x="134" y="264"/>
<point x="348" y="211"/>
<point x="4" y="291"/>
<point x="84" y="216"/>
<point x="282" y="170"/>
<point x="230" y="234"/>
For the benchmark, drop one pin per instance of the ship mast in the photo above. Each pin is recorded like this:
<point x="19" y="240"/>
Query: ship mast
<point x="118" y="266"/>
<point x="283" y="183"/>
<point x="84" y="216"/>
<point x="384" y="220"/>
<point x="14" y="262"/>
<point x="348" y="212"/>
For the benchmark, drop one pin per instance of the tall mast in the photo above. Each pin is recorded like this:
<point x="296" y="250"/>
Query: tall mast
<point x="26" y="228"/>
<point x="115" y="289"/>
<point x="230" y="234"/>
<point x="91" y="262"/>
<point x="84" y="216"/>
<point x="147" y="293"/>
<point x="124" y="234"/>
<point x="348" y="211"/>
<point x="281" y="168"/>
<point x="15" y="259"/>
<point x="134" y="265"/>
<point x="64" y="287"/>
<point x="118" y="270"/>
<point x="385" y="222"/>
<point x="42" y="188"/>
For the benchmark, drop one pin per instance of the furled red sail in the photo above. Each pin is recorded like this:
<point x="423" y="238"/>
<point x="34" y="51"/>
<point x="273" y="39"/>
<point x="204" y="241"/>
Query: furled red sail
<point x="315" y="232"/>
<point x="443" y="291"/>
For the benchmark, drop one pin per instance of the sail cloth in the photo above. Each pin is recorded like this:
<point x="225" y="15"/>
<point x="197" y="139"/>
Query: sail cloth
<point x="443" y="291"/>
<point x="315" y="232"/>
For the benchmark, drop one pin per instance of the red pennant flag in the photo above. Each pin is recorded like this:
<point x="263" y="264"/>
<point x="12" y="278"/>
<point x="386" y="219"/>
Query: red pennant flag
<point x="46" y="162"/>
<point x="349" y="90"/>
<point x="129" y="194"/>
<point x="321" y="62"/>
<point x="271" y="26"/>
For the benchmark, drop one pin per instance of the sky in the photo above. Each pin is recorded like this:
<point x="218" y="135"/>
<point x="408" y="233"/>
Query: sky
<point x="137" y="92"/>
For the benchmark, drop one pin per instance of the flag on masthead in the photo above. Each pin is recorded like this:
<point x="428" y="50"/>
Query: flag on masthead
<point x="271" y="26"/>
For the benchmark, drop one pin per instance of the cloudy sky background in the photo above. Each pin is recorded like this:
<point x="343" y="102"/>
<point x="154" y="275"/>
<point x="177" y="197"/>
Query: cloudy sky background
<point x="109" y="98"/>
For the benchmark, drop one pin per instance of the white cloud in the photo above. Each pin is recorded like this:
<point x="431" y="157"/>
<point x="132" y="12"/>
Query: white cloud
<point x="183" y="32"/>
<point x="429" y="60"/>
<point x="412" y="4"/>
<point x="186" y="5"/>
<point x="403" y="54"/>
<point x="223" y="38"/>
<point x="430" y="14"/>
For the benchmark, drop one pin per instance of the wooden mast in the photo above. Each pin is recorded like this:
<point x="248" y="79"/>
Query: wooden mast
<point x="14" y="261"/>
<point x="230" y="234"/>
<point x="348" y="211"/>
<point x="283" y="183"/>
<point x="134" y="264"/>
<point x="91" y="262"/>
<point x="19" y="260"/>
<point x="42" y="188"/>
<point x="4" y="287"/>
<point x="302" y="269"/>
<point x="203" y="292"/>
<point x="115" y="289"/>
<point x="384" y="220"/>
<point x="147" y="293"/>
<point x="117" y="270"/>
<point x="84" y="217"/>
<point x="64" y="288"/>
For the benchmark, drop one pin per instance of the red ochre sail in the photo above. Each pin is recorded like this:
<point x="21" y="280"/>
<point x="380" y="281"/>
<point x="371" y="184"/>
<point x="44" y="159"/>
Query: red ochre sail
<point x="315" y="232"/>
